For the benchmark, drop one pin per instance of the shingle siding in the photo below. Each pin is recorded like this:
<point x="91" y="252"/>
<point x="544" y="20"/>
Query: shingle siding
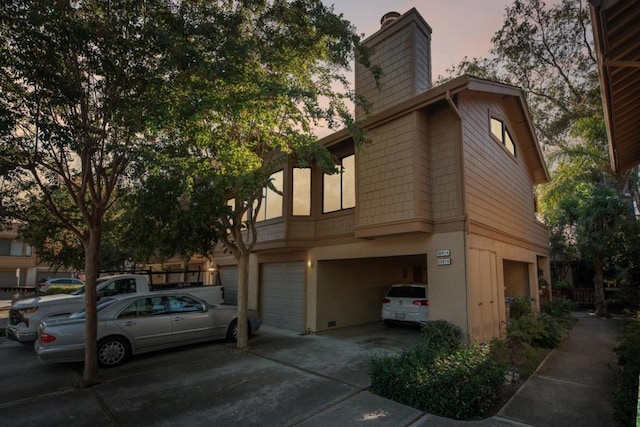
<point x="499" y="190"/>
<point x="386" y="174"/>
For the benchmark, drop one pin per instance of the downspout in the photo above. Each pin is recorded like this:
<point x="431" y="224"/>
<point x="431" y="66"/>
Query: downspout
<point x="456" y="111"/>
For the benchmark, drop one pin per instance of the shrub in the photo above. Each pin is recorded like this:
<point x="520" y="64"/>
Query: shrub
<point x="457" y="385"/>
<point x="626" y="394"/>
<point x="560" y="308"/>
<point x="519" y="306"/>
<point x="394" y="377"/>
<point x="562" y="284"/>
<point x="538" y="330"/>
<point x="441" y="336"/>
<point x="54" y="290"/>
<point x="520" y="358"/>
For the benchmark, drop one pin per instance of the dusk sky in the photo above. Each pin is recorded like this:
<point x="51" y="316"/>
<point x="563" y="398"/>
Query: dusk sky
<point x="460" y="27"/>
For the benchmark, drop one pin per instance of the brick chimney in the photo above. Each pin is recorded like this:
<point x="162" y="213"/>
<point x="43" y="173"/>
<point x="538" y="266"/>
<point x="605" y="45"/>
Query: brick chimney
<point x="402" y="48"/>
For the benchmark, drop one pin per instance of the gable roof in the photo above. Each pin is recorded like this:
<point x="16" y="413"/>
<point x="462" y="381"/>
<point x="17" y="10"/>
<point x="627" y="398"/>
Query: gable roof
<point x="532" y="154"/>
<point x="616" y="31"/>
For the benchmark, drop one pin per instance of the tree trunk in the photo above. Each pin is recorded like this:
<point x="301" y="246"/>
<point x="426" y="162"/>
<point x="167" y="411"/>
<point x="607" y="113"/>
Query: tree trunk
<point x="243" y="298"/>
<point x="598" y="284"/>
<point x="92" y="246"/>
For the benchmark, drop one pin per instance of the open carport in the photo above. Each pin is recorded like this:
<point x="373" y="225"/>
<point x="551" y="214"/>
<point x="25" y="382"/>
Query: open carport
<point x="350" y="291"/>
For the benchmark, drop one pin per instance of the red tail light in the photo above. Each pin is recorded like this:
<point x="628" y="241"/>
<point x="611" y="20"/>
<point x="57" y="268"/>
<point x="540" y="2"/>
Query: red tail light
<point x="386" y="301"/>
<point x="421" y="302"/>
<point x="46" y="338"/>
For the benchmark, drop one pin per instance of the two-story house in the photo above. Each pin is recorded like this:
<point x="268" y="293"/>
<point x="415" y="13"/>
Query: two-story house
<point x="442" y="194"/>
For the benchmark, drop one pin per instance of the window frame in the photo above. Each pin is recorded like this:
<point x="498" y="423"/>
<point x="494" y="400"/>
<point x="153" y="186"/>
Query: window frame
<point x="341" y="174"/>
<point x="505" y="134"/>
<point x="261" y="215"/>
<point x="309" y="200"/>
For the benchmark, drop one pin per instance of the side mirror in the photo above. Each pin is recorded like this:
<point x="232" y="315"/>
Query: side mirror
<point x="99" y="295"/>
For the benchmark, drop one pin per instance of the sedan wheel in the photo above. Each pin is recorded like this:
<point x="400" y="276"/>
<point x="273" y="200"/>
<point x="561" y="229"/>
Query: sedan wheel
<point x="112" y="351"/>
<point x="232" y="332"/>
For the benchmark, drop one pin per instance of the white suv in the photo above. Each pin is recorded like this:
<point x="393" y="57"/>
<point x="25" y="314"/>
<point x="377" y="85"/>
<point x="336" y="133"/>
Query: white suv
<point x="406" y="303"/>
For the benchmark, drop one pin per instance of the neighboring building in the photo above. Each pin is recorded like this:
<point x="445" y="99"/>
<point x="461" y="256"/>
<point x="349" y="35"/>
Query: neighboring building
<point x="442" y="194"/>
<point x="19" y="264"/>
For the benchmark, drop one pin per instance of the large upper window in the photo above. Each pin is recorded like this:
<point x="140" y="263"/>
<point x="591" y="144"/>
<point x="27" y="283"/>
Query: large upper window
<point x="500" y="131"/>
<point x="14" y="248"/>
<point x="301" y="192"/>
<point x="339" y="189"/>
<point x="271" y="199"/>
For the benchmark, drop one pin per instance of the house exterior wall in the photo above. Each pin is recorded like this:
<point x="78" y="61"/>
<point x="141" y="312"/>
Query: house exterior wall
<point x="387" y="184"/>
<point x="498" y="189"/>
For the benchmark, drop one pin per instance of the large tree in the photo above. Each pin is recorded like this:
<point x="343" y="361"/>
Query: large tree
<point x="261" y="75"/>
<point x="548" y="51"/>
<point x="77" y="81"/>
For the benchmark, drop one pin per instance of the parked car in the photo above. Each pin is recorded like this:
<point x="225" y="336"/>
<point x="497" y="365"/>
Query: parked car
<point x="25" y="315"/>
<point x="45" y="284"/>
<point x="406" y="303"/>
<point x="134" y="324"/>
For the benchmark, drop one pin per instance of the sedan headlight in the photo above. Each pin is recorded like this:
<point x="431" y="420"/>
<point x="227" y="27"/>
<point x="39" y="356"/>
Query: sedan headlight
<point x="28" y="310"/>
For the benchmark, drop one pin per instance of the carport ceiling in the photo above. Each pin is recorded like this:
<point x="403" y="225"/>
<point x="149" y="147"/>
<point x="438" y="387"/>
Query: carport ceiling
<point x="616" y="27"/>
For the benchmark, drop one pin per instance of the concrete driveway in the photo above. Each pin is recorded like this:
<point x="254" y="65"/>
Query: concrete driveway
<point x="284" y="379"/>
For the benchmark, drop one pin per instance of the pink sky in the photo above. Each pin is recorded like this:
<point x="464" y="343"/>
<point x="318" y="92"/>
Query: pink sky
<point x="460" y="27"/>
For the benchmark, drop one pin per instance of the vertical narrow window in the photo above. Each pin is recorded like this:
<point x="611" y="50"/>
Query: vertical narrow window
<point x="301" y="192"/>
<point x="17" y="248"/>
<point x="500" y="131"/>
<point x="272" y="198"/>
<point x="5" y="247"/>
<point x="508" y="142"/>
<point x="339" y="189"/>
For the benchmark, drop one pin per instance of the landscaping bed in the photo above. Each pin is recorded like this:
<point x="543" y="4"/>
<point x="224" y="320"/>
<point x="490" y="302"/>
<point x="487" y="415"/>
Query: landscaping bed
<point x="443" y="377"/>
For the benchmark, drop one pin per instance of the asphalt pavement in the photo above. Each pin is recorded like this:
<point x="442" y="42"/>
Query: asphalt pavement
<point x="286" y="379"/>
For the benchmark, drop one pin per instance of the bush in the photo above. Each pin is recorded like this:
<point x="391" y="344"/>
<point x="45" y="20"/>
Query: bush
<point x="393" y="376"/>
<point x="457" y="385"/>
<point x="521" y="359"/>
<point x="441" y="336"/>
<point x="626" y="394"/>
<point x="464" y="384"/>
<point x="560" y="308"/>
<point x="519" y="306"/>
<point x="537" y="330"/>
<point x="54" y="290"/>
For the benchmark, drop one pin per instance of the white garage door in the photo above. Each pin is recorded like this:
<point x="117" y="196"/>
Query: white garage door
<point x="229" y="279"/>
<point x="282" y="295"/>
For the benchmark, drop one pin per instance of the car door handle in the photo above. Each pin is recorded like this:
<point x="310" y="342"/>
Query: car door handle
<point x="129" y="323"/>
<point x="178" y="318"/>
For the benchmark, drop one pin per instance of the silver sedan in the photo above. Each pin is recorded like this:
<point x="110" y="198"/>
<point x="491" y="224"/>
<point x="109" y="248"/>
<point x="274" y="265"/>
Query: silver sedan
<point x="135" y="324"/>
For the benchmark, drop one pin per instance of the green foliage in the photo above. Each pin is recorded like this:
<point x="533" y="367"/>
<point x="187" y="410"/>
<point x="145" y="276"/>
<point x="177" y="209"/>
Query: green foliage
<point x="562" y="284"/>
<point x="519" y="306"/>
<point x="521" y="359"/>
<point x="560" y="308"/>
<point x="626" y="394"/>
<point x="439" y="375"/>
<point x="625" y="300"/>
<point x="441" y="336"/>
<point x="459" y="385"/>
<point x="538" y="330"/>
<point x="55" y="290"/>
